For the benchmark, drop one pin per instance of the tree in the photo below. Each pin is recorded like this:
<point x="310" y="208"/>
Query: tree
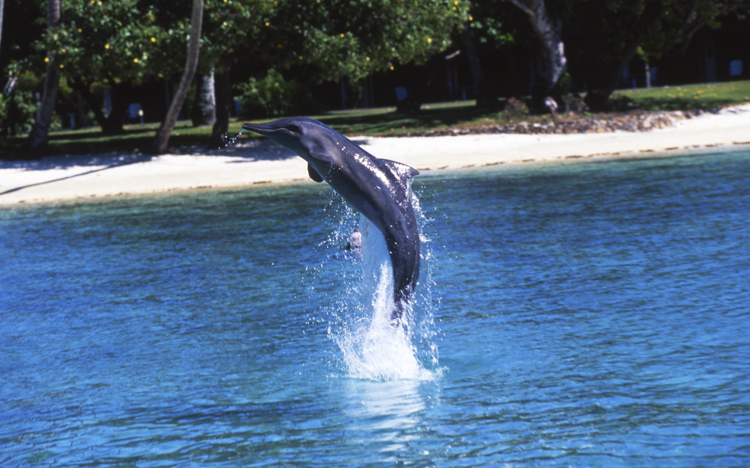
<point x="481" y="89"/>
<point x="113" y="45"/>
<point x="226" y="27"/>
<point x="349" y="40"/>
<point x="492" y="25"/>
<point x="322" y="41"/>
<point x="549" y="32"/>
<point x="355" y="39"/>
<point x="17" y="42"/>
<point x="609" y="33"/>
<point x="191" y="63"/>
<point x="38" y="136"/>
<point x="223" y="92"/>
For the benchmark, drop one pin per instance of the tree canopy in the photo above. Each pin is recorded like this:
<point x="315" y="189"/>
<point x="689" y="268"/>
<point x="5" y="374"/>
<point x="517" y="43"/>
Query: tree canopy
<point x="121" y="44"/>
<point x="602" y="36"/>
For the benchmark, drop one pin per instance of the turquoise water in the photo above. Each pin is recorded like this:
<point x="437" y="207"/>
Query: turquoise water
<point x="593" y="314"/>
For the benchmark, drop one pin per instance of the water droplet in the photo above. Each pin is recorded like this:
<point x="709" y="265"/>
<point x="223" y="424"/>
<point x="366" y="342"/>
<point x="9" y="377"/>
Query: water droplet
<point x="229" y="141"/>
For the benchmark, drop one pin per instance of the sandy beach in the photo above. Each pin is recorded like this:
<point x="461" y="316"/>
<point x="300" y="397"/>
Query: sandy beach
<point x="255" y="162"/>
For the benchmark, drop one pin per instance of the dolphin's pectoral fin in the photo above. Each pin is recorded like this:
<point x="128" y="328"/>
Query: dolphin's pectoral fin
<point x="314" y="175"/>
<point x="402" y="172"/>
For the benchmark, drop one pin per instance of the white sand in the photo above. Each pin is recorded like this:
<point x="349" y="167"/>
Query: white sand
<point x="258" y="162"/>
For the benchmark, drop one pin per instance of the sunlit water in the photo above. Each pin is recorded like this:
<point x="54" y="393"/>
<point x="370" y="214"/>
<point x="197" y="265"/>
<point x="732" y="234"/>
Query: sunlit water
<point x="580" y="315"/>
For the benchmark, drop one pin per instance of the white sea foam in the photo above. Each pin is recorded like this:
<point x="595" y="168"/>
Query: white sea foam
<point x="372" y="347"/>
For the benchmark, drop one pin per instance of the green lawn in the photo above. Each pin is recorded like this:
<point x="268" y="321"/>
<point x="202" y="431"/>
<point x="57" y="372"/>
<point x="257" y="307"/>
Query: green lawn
<point x="703" y="96"/>
<point x="389" y="122"/>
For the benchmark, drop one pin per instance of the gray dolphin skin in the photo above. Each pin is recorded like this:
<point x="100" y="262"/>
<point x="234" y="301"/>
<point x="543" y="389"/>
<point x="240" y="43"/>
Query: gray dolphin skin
<point x="377" y="188"/>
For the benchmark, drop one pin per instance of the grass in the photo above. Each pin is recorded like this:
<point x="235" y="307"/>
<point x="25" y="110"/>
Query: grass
<point x="704" y="96"/>
<point x="387" y="121"/>
<point x="92" y="140"/>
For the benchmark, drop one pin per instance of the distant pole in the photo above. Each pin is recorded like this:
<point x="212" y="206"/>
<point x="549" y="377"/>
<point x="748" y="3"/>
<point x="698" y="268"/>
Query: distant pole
<point x="2" y="7"/>
<point x="648" y="75"/>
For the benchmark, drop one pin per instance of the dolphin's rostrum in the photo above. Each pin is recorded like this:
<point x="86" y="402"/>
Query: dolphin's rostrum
<point x="377" y="188"/>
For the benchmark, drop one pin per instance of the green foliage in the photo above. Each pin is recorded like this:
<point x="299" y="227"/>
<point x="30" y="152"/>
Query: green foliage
<point x="230" y="30"/>
<point x="4" y="105"/>
<point x="496" y="23"/>
<point x="273" y="96"/>
<point x="106" y="41"/>
<point x="111" y="40"/>
<point x="233" y="31"/>
<point x="351" y="38"/>
<point x="20" y="106"/>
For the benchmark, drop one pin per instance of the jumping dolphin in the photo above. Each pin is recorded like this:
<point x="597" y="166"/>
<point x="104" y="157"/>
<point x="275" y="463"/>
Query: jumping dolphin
<point x="377" y="188"/>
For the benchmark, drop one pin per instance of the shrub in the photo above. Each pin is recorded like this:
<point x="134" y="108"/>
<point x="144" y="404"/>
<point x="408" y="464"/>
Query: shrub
<point x="273" y="96"/>
<point x="516" y="108"/>
<point x="17" y="112"/>
<point x="3" y="108"/>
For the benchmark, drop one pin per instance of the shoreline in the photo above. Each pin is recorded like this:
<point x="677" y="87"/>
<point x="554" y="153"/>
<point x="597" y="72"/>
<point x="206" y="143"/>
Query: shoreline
<point x="260" y="162"/>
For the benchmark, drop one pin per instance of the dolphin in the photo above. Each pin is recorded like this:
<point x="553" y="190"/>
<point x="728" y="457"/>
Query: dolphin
<point x="377" y="188"/>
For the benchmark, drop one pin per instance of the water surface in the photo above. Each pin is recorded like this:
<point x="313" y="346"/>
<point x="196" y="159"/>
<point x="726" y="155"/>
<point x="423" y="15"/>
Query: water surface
<point x="593" y="314"/>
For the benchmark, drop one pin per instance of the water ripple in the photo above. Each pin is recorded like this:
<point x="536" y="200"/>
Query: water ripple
<point x="590" y="314"/>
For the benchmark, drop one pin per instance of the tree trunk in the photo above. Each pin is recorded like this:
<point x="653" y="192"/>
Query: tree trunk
<point x="204" y="109"/>
<point x="2" y="7"/>
<point x="223" y="86"/>
<point x="417" y="97"/>
<point x="165" y="130"/>
<point x="112" y="124"/>
<point x="481" y="90"/>
<point x="90" y="100"/>
<point x="553" y="50"/>
<point x="37" y="138"/>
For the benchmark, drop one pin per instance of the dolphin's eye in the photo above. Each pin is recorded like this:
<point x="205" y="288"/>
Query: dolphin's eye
<point x="294" y="128"/>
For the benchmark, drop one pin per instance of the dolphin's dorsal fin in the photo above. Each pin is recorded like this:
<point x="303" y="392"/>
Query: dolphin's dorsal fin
<point x="314" y="175"/>
<point x="402" y="172"/>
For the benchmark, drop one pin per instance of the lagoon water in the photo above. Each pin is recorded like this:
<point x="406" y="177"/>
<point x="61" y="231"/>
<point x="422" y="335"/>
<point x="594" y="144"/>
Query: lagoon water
<point x="592" y="314"/>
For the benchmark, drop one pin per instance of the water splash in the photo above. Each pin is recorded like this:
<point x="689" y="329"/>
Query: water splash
<point x="230" y="141"/>
<point x="372" y="349"/>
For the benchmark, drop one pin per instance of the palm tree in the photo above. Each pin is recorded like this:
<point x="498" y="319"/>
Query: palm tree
<point x="165" y="130"/>
<point x="37" y="138"/>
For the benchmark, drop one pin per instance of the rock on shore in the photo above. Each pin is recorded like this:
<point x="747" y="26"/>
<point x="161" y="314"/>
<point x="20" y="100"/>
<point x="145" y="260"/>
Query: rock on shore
<point x="629" y="122"/>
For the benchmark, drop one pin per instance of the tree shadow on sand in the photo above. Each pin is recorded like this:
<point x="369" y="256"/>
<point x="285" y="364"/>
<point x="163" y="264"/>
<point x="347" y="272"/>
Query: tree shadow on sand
<point x="109" y="161"/>
<point x="246" y="151"/>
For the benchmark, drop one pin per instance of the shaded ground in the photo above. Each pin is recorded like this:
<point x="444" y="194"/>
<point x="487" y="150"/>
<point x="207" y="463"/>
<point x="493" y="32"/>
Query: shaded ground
<point x="440" y="119"/>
